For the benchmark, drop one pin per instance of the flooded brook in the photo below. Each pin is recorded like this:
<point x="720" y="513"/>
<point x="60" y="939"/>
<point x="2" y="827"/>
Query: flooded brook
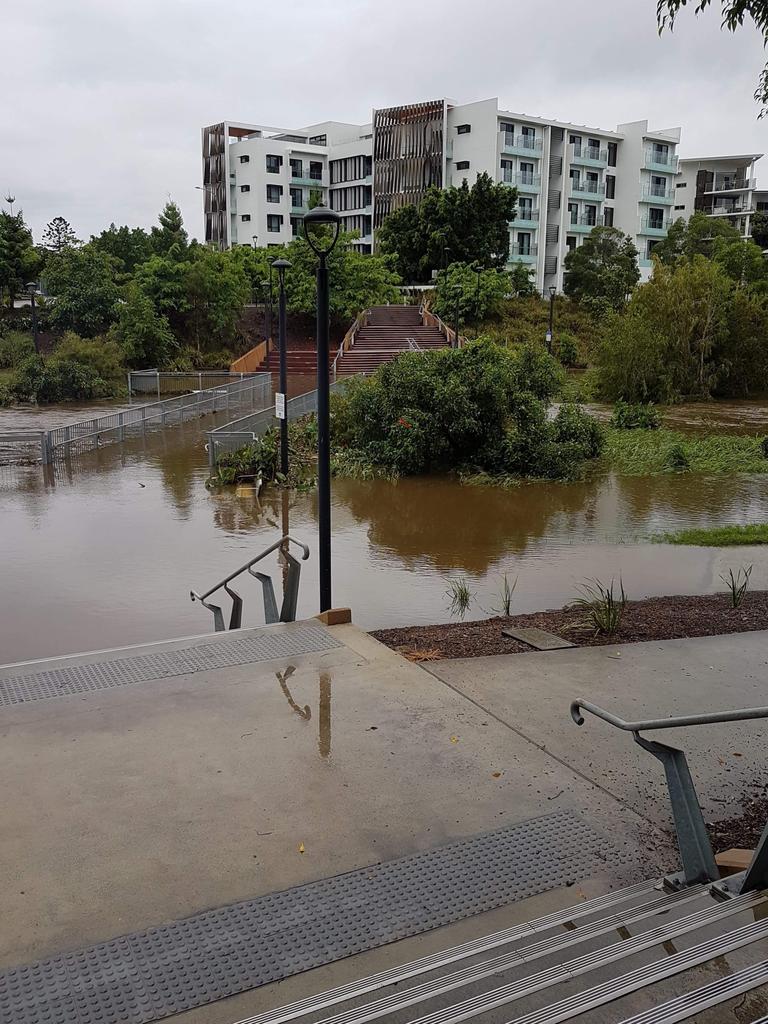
<point x="103" y="551"/>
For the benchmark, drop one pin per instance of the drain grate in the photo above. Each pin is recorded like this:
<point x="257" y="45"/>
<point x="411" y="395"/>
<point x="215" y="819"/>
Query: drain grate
<point x="153" y="974"/>
<point x="141" y="668"/>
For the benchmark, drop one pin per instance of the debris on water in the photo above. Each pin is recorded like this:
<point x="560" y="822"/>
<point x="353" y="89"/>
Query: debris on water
<point x="301" y="847"/>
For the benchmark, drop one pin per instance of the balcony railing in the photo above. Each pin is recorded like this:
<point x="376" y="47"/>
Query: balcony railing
<point x="732" y="211"/>
<point x="525" y="253"/>
<point x="298" y="179"/>
<point x="731" y="183"/>
<point x="525" y="216"/>
<point x="527" y="144"/>
<point x="522" y="179"/>
<point x="660" y="161"/>
<point x="590" y="189"/>
<point x="584" y="223"/>
<point x="656" y="194"/>
<point x="589" y="154"/>
<point x="653" y="227"/>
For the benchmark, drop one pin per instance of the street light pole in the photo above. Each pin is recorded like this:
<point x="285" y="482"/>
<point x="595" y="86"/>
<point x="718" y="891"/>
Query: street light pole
<point x="456" y="321"/>
<point x="322" y="245"/>
<point x="281" y="266"/>
<point x="550" y="332"/>
<point x="32" y="289"/>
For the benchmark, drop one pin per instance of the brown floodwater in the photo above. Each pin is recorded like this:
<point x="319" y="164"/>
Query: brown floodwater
<point x="104" y="551"/>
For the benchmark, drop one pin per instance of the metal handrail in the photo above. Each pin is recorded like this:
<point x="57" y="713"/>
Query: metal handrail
<point x="290" y="592"/>
<point x="692" y="837"/>
<point x="344" y="346"/>
<point x="740" y="715"/>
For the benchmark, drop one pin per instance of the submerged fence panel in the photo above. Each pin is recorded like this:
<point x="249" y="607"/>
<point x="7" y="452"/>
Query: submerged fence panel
<point x="254" y="392"/>
<point x="157" y="382"/>
<point x="230" y="436"/>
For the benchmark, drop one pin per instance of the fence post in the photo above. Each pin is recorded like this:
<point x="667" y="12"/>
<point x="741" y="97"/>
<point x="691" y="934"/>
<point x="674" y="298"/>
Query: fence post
<point x="46" y="447"/>
<point x="130" y="395"/>
<point x="121" y="426"/>
<point x="200" y="381"/>
<point x="158" y="383"/>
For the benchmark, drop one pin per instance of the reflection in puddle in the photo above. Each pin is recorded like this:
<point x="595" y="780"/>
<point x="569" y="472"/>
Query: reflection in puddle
<point x="324" y="707"/>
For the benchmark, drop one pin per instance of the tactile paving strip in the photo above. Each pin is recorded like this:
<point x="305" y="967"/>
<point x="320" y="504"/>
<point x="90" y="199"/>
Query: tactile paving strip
<point x="141" y="668"/>
<point x="153" y="974"/>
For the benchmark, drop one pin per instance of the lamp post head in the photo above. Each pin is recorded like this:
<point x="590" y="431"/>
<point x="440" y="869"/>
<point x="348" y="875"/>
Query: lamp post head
<point x="552" y="291"/>
<point x="31" y="287"/>
<point x="321" y="217"/>
<point x="281" y="266"/>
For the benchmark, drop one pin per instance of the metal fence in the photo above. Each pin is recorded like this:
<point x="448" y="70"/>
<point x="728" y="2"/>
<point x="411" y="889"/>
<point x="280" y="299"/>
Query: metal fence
<point x="23" y="444"/>
<point x="252" y="392"/>
<point x="230" y="436"/>
<point x="156" y="382"/>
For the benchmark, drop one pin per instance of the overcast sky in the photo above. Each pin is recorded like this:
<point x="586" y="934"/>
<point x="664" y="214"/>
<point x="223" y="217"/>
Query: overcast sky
<point x="104" y="99"/>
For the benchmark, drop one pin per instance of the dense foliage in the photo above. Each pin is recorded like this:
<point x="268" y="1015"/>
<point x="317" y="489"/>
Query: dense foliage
<point x="635" y="417"/>
<point x="481" y="407"/>
<point x="696" y="236"/>
<point x="19" y="262"/>
<point x="603" y="268"/>
<point x="477" y="294"/>
<point x="452" y="225"/>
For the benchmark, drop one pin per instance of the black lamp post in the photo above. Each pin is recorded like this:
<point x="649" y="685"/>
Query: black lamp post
<point x="550" y="332"/>
<point x="32" y="290"/>
<point x="322" y="242"/>
<point x="457" y="296"/>
<point x="478" y="271"/>
<point x="281" y="266"/>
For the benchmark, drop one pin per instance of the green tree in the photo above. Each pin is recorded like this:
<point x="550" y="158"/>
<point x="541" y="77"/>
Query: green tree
<point x="742" y="260"/>
<point x="480" y="293"/>
<point x="216" y="288"/>
<point x="19" y="262"/>
<point x="733" y="14"/>
<point x="170" y="238"/>
<point x="603" y="268"/>
<point x="81" y="280"/>
<point x="460" y="225"/>
<point x="59" y="235"/>
<point x="694" y="237"/>
<point x="164" y="281"/>
<point x="743" y="354"/>
<point x="128" y="247"/>
<point x="759" y="226"/>
<point x="143" y="334"/>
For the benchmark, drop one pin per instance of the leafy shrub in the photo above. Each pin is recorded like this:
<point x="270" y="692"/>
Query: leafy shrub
<point x="677" y="459"/>
<point x="604" y="609"/>
<point x="101" y="355"/>
<point x="15" y="347"/>
<point x="60" y="380"/>
<point x="261" y="458"/>
<point x="575" y="427"/>
<point x="568" y="350"/>
<point x="6" y="396"/>
<point x="738" y="584"/>
<point x="764" y="447"/>
<point x="635" y="416"/>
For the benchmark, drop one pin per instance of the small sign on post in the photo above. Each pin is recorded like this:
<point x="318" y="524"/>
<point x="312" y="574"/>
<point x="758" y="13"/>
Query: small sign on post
<point x="549" y="337"/>
<point x="280" y="405"/>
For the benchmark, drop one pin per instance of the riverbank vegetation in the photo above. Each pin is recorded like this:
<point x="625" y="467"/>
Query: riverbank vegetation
<point x="718" y="536"/>
<point x="648" y="452"/>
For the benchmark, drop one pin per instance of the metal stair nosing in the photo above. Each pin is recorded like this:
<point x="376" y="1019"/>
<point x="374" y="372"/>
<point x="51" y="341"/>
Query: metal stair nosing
<point x="400" y="1000"/>
<point x="715" y="992"/>
<point x="508" y="993"/>
<point x="442" y="958"/>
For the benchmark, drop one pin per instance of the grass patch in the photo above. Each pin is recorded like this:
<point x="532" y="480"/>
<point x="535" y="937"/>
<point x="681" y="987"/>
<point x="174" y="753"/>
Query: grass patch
<point x="646" y="452"/>
<point x="718" y="536"/>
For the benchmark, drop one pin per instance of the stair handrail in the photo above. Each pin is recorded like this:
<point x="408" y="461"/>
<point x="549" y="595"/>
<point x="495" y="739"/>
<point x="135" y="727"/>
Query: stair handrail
<point x="450" y="334"/>
<point x="692" y="837"/>
<point x="349" y="339"/>
<point x="290" y="591"/>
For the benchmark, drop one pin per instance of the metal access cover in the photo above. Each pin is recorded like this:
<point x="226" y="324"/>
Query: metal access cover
<point x="264" y="645"/>
<point x="153" y="974"/>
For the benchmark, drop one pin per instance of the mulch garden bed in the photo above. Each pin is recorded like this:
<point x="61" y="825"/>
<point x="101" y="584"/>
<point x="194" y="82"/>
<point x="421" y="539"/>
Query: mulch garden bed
<point x="655" y="618"/>
<point x="743" y="831"/>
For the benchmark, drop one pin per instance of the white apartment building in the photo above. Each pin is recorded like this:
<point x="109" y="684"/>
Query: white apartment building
<point x="569" y="178"/>
<point x="720" y="186"/>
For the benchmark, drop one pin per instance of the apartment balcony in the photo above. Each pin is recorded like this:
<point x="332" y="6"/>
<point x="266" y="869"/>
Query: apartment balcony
<point x="589" y="156"/>
<point x="522" y="253"/>
<point x="312" y="182"/>
<point x="666" y="162"/>
<point x="298" y="211"/>
<point x="522" y="181"/>
<point x="583" y="225"/>
<point x="521" y="145"/>
<point x="582" y="189"/>
<point x="664" y="197"/>
<point x="656" y="228"/>
<point x="527" y="219"/>
<point x="731" y="183"/>
<point x="737" y="210"/>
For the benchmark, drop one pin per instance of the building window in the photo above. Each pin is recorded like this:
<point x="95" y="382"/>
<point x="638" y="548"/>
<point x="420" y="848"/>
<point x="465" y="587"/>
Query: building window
<point x="318" y="140"/>
<point x="608" y="216"/>
<point x="527" y="132"/>
<point x="296" y="226"/>
<point x="463" y="129"/>
<point x="593" y="180"/>
<point x="274" y="221"/>
<point x="651" y="246"/>
<point x="610" y="186"/>
<point x="316" y="170"/>
<point x="573" y="213"/>
<point x="590" y="215"/>
<point x="570" y="242"/>
<point x="682" y="206"/>
<point x="525" y="208"/>
<point x="245" y="159"/>
<point x="274" y="163"/>
<point x="297" y="197"/>
<point x="508" y="129"/>
<point x="245" y="188"/>
<point x="507" y="171"/>
<point x="681" y="184"/>
<point x="526" y="173"/>
<point x="274" y="193"/>
<point x="245" y="216"/>
<point x="612" y="153"/>
<point x="462" y="165"/>
<point x="655" y="217"/>
<point x="575" y="179"/>
<point x="575" y="140"/>
<point x="297" y="168"/>
<point x="524" y="243"/>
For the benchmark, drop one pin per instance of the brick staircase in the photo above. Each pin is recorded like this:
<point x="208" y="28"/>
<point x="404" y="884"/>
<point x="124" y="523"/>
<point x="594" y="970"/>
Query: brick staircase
<point x="385" y="335"/>
<point x="387" y="332"/>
